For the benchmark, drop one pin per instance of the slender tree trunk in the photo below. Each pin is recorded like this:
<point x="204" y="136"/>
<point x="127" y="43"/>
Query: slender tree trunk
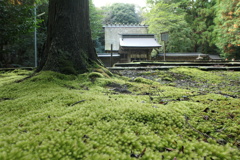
<point x="69" y="48"/>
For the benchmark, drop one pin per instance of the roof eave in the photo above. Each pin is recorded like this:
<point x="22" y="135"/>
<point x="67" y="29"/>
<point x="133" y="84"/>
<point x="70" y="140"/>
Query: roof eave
<point x="147" y="47"/>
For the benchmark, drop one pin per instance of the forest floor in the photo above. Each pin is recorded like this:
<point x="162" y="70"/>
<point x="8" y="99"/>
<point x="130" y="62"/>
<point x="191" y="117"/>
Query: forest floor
<point x="181" y="113"/>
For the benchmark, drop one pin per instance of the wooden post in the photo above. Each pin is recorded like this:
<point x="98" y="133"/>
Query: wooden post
<point x="35" y="35"/>
<point x="164" y="38"/>
<point x="111" y="58"/>
<point x="164" y="51"/>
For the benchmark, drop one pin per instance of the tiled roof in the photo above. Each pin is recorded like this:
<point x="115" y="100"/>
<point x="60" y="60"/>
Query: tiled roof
<point x="139" y="41"/>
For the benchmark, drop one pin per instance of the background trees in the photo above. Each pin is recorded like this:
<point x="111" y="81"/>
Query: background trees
<point x="96" y="23"/>
<point x="228" y="28"/>
<point x="96" y="18"/>
<point x="15" y="26"/>
<point x="200" y="16"/>
<point x="165" y="16"/>
<point x="190" y="24"/>
<point x="121" y="13"/>
<point x="207" y="26"/>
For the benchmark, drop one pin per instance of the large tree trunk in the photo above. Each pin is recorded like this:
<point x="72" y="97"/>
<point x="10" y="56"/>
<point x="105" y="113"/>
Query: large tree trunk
<point x="69" y="48"/>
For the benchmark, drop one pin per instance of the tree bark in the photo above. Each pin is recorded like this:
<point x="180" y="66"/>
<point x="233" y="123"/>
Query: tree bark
<point x="69" y="48"/>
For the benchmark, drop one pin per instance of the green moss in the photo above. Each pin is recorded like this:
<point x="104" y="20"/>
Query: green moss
<point x="65" y="64"/>
<point x="10" y="77"/>
<point x="167" y="79"/>
<point x="104" y="71"/>
<point x="197" y="74"/>
<point x="95" y="75"/>
<point x="57" y="116"/>
<point x="143" y="80"/>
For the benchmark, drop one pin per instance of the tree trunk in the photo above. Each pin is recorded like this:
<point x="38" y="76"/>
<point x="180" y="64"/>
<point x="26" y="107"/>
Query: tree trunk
<point x="69" y="48"/>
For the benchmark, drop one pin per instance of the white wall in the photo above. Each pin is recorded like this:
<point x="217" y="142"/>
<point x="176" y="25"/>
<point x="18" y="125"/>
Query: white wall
<point x="113" y="33"/>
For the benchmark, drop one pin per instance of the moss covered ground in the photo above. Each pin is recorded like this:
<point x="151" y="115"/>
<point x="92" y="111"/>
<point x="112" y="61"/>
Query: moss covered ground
<point x="181" y="113"/>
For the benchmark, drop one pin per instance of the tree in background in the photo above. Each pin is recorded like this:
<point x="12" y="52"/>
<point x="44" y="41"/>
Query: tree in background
<point x="16" y="21"/>
<point x="228" y="28"/>
<point x="163" y="16"/>
<point x="189" y="23"/>
<point x="121" y="13"/>
<point x="200" y="16"/>
<point x="42" y="9"/>
<point x="180" y="38"/>
<point x="169" y="16"/>
<point x="96" y="22"/>
<point x="69" y="48"/>
<point x="17" y="26"/>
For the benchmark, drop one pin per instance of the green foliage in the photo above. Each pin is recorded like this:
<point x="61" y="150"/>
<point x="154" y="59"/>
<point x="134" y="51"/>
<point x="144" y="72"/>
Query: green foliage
<point x="189" y="23"/>
<point x="228" y="27"/>
<point x="40" y="2"/>
<point x="180" y="39"/>
<point x="200" y="17"/>
<point x="16" y="20"/>
<point x="96" y="19"/>
<point x="121" y="13"/>
<point x="164" y="16"/>
<point x="17" y="26"/>
<point x="56" y="116"/>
